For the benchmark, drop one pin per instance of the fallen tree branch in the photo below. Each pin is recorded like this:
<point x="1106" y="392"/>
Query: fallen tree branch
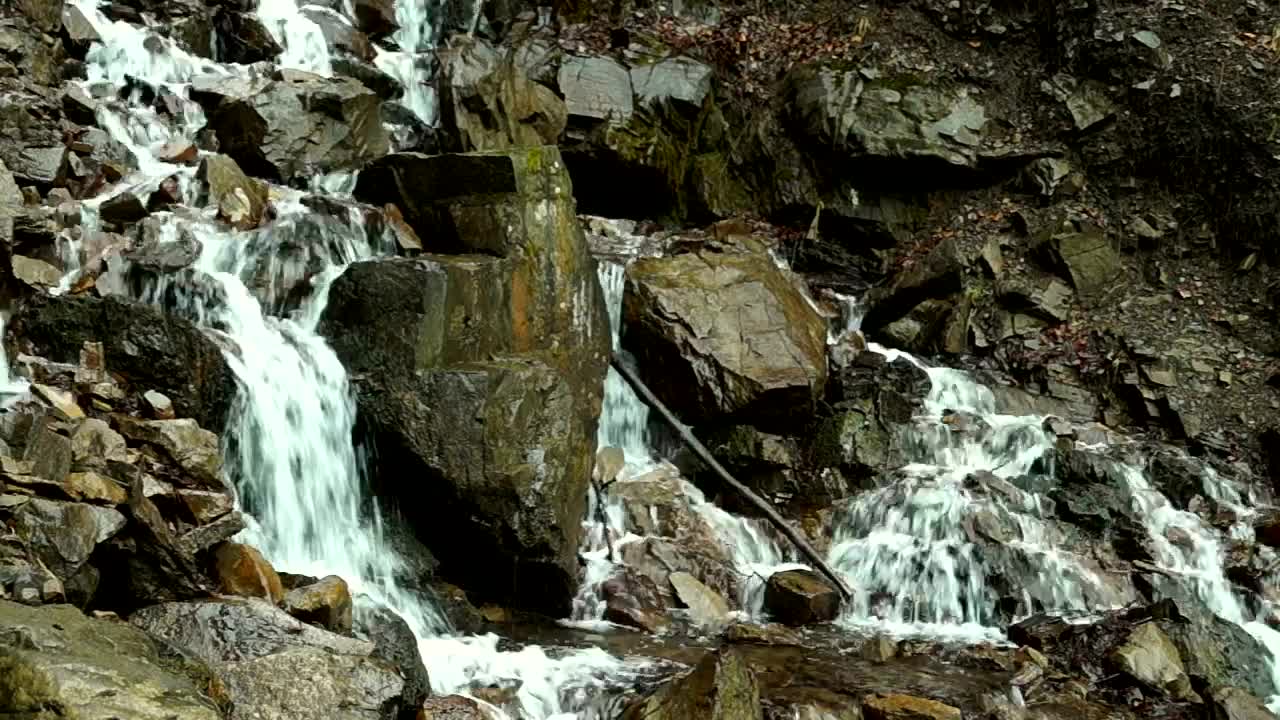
<point x="701" y="451"/>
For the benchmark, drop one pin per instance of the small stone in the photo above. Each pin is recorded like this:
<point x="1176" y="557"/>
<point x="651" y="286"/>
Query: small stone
<point x="92" y="487"/>
<point x="906" y="707"/>
<point x="161" y="406"/>
<point x="179" y="153"/>
<point x="242" y="570"/>
<point x="63" y="402"/>
<point x="705" y="605"/>
<point x="1147" y="38"/>
<point x="879" y="649"/>
<point x="92" y="368"/>
<point x="326" y="603"/>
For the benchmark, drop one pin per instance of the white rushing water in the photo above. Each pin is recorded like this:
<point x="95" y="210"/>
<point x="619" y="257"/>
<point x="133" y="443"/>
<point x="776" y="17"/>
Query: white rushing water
<point x="908" y="550"/>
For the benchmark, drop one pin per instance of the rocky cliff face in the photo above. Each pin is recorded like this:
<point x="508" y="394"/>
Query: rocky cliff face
<point x="309" y="310"/>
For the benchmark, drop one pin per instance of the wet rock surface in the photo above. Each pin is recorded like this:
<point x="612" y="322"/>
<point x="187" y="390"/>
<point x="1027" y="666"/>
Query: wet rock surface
<point x="1056" y="198"/>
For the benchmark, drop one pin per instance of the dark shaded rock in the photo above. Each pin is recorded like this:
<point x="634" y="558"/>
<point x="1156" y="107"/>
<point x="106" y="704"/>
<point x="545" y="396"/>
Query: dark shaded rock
<point x="724" y="338"/>
<point x="296" y="126"/>
<point x="55" y="657"/>
<point x="801" y="597"/>
<point x="1231" y="703"/>
<point x="376" y="17"/>
<point x="394" y="643"/>
<point x="147" y="349"/>
<point x="937" y="275"/>
<point x="483" y="371"/>
<point x="386" y="86"/>
<point x="242" y="38"/>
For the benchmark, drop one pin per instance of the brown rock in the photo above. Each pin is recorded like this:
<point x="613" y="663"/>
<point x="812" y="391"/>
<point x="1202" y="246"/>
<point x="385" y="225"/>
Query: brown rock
<point x="326" y="603"/>
<point x="1232" y="703"/>
<point x="801" y="597"/>
<point x="242" y="570"/>
<point x="92" y="487"/>
<point x="906" y="707"/>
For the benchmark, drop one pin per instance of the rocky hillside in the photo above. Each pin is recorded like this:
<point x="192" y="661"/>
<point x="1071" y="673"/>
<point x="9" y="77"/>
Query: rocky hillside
<point x="327" y="288"/>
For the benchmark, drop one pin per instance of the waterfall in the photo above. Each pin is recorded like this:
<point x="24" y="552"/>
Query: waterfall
<point x="906" y="550"/>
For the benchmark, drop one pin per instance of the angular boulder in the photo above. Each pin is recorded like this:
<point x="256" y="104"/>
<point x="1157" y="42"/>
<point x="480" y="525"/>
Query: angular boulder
<point x="1150" y="657"/>
<point x="275" y="666"/>
<point x="489" y="103"/>
<point x="55" y="657"/>
<point x="801" y="597"/>
<point x="721" y="686"/>
<point x="296" y="125"/>
<point x="394" y="642"/>
<point x="725" y="337"/>
<point x="326" y="602"/>
<point x="480" y="375"/>
<point x="145" y="348"/>
<point x="243" y="571"/>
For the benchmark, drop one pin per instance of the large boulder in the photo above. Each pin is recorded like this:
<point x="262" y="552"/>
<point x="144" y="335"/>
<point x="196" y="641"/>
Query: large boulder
<point x="146" y="348"/>
<point x="801" y="597"/>
<point x="55" y="657"/>
<point x="275" y="666"/>
<point x="295" y="126"/>
<point x="725" y="337"/>
<point x="489" y="103"/>
<point x="480" y="375"/>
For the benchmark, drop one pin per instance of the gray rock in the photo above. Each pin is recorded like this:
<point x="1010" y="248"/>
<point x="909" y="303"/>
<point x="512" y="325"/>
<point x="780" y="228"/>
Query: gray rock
<point x="275" y="666"/>
<point x="882" y="118"/>
<point x="90" y="669"/>
<point x="1151" y="658"/>
<point x="495" y="413"/>
<point x="196" y="451"/>
<point x="489" y="103"/>
<point x="679" y="79"/>
<point x="1090" y="259"/>
<point x="597" y="88"/>
<point x="706" y="607"/>
<point x="394" y="642"/>
<point x="63" y="535"/>
<point x="295" y="127"/>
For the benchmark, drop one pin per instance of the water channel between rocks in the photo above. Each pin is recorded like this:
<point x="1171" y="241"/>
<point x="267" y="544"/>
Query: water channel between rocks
<point x="906" y="547"/>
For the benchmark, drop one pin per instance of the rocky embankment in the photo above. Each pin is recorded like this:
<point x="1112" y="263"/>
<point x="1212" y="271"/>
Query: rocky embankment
<point x="220" y="231"/>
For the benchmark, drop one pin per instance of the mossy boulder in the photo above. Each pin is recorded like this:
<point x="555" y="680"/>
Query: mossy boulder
<point x="479" y="366"/>
<point x="55" y="660"/>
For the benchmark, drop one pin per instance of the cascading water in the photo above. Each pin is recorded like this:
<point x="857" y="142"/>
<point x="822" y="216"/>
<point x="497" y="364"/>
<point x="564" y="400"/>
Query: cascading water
<point x="624" y="425"/>
<point x="907" y="549"/>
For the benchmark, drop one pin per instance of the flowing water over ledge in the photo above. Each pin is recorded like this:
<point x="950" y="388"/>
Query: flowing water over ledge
<point x="906" y="546"/>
